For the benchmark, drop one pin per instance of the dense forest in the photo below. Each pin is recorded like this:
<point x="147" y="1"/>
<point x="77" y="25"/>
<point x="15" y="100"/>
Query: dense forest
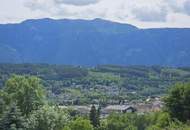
<point x="92" y="42"/>
<point x="24" y="106"/>
<point x="100" y="84"/>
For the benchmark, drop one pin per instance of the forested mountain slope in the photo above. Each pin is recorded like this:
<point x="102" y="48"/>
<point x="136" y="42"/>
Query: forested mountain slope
<point x="83" y="42"/>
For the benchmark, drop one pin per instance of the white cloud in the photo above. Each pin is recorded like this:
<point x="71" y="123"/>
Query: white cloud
<point x="143" y="13"/>
<point x="150" y="14"/>
<point x="187" y="7"/>
<point x="76" y="2"/>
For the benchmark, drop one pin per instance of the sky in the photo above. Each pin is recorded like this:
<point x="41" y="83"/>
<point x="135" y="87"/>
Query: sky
<point x="141" y="13"/>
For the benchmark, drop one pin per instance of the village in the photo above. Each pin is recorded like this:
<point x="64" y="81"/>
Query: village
<point x="151" y="104"/>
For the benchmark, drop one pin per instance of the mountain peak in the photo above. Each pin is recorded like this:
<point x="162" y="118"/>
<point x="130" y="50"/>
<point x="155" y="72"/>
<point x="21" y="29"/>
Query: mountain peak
<point x="75" y="21"/>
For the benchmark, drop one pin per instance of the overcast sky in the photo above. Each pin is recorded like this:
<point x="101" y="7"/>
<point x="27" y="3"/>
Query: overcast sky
<point x="142" y="13"/>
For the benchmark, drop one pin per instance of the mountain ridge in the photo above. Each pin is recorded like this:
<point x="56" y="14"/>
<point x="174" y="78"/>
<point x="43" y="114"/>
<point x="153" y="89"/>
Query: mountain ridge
<point x="90" y="20"/>
<point x="93" y="42"/>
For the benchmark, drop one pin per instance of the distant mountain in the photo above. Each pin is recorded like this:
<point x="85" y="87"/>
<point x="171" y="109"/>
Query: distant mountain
<point x="92" y="42"/>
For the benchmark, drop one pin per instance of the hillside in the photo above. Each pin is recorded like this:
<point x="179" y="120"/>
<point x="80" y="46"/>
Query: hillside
<point x="105" y="83"/>
<point x="90" y="43"/>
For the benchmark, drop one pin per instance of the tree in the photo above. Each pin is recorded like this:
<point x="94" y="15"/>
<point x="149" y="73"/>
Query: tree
<point x="98" y="113"/>
<point x="178" y="102"/>
<point x="2" y="102"/>
<point x="26" y="91"/>
<point x="12" y="119"/>
<point x="158" y="120"/>
<point x="48" y="118"/>
<point x="128" y="121"/>
<point x="94" y="116"/>
<point x="131" y="127"/>
<point x="80" y="124"/>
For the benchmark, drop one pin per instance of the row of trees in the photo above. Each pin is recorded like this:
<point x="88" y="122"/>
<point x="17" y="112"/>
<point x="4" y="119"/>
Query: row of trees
<point x="23" y="106"/>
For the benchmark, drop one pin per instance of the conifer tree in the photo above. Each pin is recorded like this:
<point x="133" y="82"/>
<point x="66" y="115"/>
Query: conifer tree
<point x="93" y="116"/>
<point x="12" y="119"/>
<point x="98" y="116"/>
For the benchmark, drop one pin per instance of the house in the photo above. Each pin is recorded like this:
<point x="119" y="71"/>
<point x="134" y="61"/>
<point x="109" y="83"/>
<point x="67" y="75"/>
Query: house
<point x="118" y="109"/>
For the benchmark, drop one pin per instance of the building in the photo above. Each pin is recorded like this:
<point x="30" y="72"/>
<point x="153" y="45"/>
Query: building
<point x="117" y="109"/>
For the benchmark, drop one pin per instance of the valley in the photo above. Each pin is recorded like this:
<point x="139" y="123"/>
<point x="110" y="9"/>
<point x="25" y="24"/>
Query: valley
<point x="103" y="84"/>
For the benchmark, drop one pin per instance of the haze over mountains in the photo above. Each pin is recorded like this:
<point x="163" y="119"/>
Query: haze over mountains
<point x="83" y="42"/>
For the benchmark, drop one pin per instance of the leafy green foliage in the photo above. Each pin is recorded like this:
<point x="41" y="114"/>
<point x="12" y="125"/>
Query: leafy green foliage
<point x="158" y="119"/>
<point x="178" y="101"/>
<point x="151" y="121"/>
<point x="29" y="108"/>
<point x="48" y="118"/>
<point x="3" y="98"/>
<point x="26" y="92"/>
<point x="79" y="124"/>
<point x="45" y="117"/>
<point x="126" y="121"/>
